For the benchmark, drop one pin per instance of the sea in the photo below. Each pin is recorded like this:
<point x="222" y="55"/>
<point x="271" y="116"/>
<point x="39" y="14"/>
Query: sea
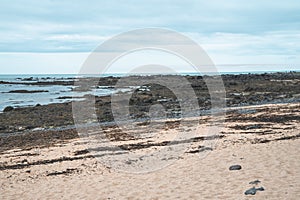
<point x="55" y="92"/>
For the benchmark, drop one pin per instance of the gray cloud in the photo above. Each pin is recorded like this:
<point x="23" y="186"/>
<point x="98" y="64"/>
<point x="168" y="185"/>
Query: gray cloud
<point x="78" y="26"/>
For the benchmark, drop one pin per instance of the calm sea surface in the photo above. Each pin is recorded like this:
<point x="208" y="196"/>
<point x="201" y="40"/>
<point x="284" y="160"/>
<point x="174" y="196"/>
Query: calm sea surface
<point x="52" y="96"/>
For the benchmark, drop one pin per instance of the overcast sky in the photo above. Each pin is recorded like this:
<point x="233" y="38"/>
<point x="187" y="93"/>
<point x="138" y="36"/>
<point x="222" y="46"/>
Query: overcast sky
<point x="52" y="36"/>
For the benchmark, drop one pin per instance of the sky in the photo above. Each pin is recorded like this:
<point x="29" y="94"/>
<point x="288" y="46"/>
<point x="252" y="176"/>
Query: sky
<point x="56" y="36"/>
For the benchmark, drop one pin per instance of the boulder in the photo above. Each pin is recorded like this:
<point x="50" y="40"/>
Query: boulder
<point x="8" y="109"/>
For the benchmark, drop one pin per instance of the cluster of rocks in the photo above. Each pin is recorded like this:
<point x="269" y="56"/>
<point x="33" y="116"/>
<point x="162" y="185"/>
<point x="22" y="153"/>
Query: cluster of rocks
<point x="252" y="190"/>
<point x="39" y="116"/>
<point x="43" y="78"/>
<point x="246" y="89"/>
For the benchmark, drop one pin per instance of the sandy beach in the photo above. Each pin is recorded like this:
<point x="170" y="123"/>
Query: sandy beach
<point x="263" y="140"/>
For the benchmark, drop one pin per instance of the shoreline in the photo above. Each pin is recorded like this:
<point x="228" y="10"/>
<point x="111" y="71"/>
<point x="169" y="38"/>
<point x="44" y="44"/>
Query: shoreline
<point x="241" y="90"/>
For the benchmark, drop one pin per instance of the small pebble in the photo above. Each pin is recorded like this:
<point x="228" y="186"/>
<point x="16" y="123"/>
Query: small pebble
<point x="254" y="182"/>
<point x="235" y="167"/>
<point x="251" y="191"/>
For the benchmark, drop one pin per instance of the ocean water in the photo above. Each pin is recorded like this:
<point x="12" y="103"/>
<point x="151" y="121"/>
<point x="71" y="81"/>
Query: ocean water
<point x="55" y="91"/>
<point x="43" y="98"/>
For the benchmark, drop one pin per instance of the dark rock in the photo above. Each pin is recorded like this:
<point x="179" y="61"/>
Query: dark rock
<point x="64" y="97"/>
<point x="254" y="182"/>
<point x="235" y="167"/>
<point x="27" y="79"/>
<point x="252" y="191"/>
<point x="27" y="91"/>
<point x="8" y="108"/>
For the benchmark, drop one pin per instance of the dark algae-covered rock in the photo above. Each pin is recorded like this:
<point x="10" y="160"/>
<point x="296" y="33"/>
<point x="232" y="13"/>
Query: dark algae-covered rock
<point x="27" y="91"/>
<point x="8" y="108"/>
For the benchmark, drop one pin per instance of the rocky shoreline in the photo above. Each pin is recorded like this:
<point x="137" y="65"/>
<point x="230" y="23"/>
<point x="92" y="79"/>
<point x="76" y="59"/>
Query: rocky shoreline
<point x="241" y="90"/>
